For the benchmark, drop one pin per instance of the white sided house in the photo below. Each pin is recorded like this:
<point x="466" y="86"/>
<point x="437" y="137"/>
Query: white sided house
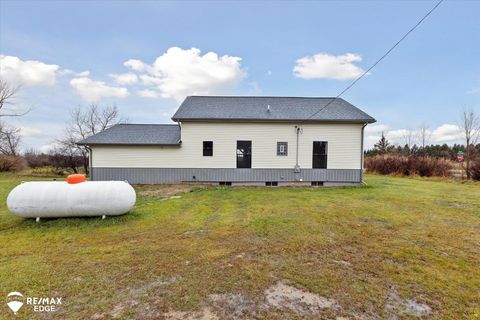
<point x="238" y="140"/>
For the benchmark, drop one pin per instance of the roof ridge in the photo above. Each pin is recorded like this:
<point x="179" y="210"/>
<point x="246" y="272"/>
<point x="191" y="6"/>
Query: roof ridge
<point x="257" y="108"/>
<point x="247" y="96"/>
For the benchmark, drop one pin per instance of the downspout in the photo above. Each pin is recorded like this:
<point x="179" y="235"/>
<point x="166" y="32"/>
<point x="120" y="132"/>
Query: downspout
<point x="296" y="169"/>
<point x="180" y="125"/>
<point x="361" y="155"/>
<point x="90" y="161"/>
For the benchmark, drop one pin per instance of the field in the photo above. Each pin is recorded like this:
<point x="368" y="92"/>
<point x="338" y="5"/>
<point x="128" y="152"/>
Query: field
<point x="396" y="248"/>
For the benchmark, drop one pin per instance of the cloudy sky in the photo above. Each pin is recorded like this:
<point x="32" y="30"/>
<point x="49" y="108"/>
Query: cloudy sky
<point x="146" y="56"/>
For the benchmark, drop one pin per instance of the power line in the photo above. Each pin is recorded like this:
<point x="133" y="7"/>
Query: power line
<point x="378" y="61"/>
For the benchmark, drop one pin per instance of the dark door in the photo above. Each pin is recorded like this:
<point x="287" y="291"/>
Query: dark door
<point x="320" y="155"/>
<point x="244" y="154"/>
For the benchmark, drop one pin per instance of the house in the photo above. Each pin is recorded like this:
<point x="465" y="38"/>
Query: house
<point x="238" y="140"/>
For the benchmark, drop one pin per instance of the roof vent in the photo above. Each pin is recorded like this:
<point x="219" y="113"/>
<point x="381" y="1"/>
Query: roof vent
<point x="268" y="108"/>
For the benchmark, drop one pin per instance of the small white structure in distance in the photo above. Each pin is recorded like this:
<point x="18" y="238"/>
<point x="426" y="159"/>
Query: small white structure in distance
<point x="55" y="199"/>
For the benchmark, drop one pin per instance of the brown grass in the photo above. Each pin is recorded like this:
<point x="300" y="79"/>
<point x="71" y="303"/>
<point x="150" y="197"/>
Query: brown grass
<point x="406" y="166"/>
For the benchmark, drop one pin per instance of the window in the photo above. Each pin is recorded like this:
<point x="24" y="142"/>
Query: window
<point x="244" y="154"/>
<point x="320" y="150"/>
<point x="207" y="148"/>
<point x="271" y="184"/>
<point x="282" y="148"/>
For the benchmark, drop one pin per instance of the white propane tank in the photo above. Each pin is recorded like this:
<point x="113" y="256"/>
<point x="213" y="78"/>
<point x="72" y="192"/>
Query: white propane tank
<point x="54" y="199"/>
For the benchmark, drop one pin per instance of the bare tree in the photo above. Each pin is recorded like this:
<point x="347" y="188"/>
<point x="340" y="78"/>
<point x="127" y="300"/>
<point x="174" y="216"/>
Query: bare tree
<point x="470" y="125"/>
<point x="424" y="134"/>
<point x="84" y="123"/>
<point x="409" y="137"/>
<point x="64" y="158"/>
<point x="9" y="139"/>
<point x="9" y="135"/>
<point x="8" y="93"/>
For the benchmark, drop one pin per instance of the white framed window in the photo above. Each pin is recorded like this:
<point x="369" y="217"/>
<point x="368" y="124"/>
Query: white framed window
<point x="282" y="148"/>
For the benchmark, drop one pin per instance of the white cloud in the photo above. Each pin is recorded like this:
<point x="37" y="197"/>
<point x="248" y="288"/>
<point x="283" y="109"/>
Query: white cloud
<point x="149" y="80"/>
<point x="125" y="78"/>
<point x="92" y="91"/>
<point x="178" y="73"/>
<point x="28" y="72"/>
<point x="328" y="66"/>
<point x="135" y="65"/>
<point x="69" y="72"/>
<point x="376" y="128"/>
<point x="445" y="133"/>
<point x="85" y="73"/>
<point x="28" y="131"/>
<point x="147" y="93"/>
<point x="46" y="148"/>
<point x="399" y="134"/>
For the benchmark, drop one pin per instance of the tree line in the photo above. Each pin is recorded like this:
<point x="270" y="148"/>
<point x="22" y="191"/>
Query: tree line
<point x="425" y="159"/>
<point x="444" y="151"/>
<point x="65" y="154"/>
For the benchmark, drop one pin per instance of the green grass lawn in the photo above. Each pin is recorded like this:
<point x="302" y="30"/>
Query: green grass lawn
<point x="396" y="248"/>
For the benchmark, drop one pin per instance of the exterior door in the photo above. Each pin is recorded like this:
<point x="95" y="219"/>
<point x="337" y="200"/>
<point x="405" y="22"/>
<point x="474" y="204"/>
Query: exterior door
<point x="320" y="149"/>
<point x="244" y="154"/>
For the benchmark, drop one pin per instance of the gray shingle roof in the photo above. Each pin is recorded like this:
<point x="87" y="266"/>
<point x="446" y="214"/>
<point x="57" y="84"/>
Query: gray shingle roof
<point x="281" y="109"/>
<point x="138" y="134"/>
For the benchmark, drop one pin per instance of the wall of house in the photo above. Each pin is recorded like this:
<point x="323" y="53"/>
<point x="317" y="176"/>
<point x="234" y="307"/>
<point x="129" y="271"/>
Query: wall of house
<point x="344" y="147"/>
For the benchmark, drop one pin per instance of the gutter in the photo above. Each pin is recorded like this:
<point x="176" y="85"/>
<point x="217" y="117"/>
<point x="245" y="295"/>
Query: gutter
<point x="176" y="144"/>
<point x="268" y="120"/>
<point x="90" y="161"/>
<point x="362" y="153"/>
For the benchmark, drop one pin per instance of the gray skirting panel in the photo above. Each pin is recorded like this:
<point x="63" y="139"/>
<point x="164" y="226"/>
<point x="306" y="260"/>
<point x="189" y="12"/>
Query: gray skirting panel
<point x="175" y="175"/>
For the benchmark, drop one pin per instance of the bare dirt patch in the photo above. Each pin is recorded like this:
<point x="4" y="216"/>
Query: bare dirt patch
<point x="343" y="262"/>
<point x="166" y="191"/>
<point x="233" y="305"/>
<point x="398" y="306"/>
<point x="192" y="233"/>
<point x="282" y="295"/>
<point x="458" y="205"/>
<point x="172" y="197"/>
<point x="132" y="299"/>
<point x="204" y="314"/>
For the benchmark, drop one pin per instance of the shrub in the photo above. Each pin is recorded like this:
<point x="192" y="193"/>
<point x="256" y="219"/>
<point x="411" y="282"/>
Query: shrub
<point x="12" y="163"/>
<point x="413" y="165"/>
<point x="50" y="171"/>
<point x="475" y="169"/>
<point x="37" y="160"/>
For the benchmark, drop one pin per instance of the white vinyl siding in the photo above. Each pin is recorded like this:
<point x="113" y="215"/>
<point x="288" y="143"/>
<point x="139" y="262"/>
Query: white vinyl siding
<point x="344" y="144"/>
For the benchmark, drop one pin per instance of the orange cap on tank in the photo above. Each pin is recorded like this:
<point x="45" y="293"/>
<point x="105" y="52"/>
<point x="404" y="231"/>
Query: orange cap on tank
<point x="76" y="178"/>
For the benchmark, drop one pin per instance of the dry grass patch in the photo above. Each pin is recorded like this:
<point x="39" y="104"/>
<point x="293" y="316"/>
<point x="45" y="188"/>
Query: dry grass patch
<point x="165" y="191"/>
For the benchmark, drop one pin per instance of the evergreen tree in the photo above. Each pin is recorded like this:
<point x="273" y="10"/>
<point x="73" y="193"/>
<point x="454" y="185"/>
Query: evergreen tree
<point x="383" y="146"/>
